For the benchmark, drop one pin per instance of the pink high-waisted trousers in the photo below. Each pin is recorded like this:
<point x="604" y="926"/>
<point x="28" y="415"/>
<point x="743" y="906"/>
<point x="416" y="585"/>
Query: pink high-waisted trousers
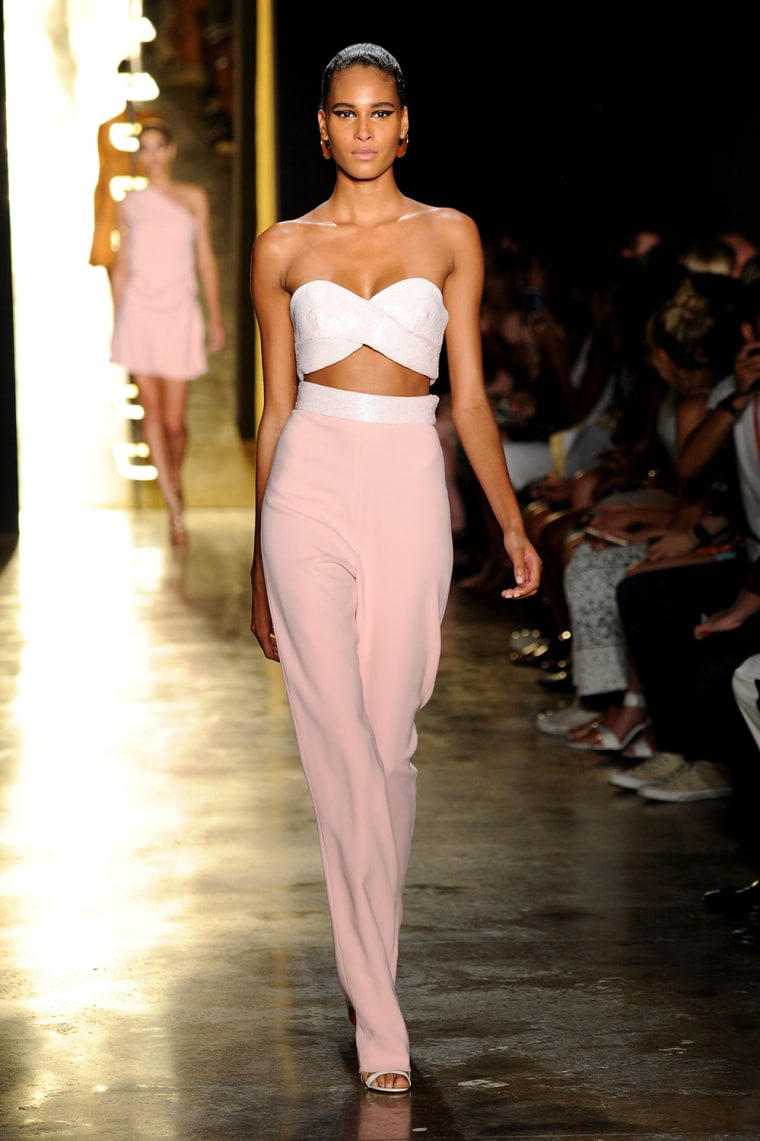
<point x="357" y="553"/>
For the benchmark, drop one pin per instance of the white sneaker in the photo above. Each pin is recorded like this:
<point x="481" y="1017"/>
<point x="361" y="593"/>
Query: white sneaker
<point x="698" y="780"/>
<point x="652" y="771"/>
<point x="556" y="722"/>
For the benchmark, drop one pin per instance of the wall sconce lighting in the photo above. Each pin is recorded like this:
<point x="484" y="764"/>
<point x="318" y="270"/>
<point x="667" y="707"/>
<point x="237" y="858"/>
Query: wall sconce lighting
<point x="125" y="136"/>
<point x="131" y="461"/>
<point x="121" y="183"/>
<point x="138" y="86"/>
<point x="146" y="33"/>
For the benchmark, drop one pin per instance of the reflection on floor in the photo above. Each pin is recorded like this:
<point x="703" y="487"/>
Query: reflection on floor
<point x="166" y="969"/>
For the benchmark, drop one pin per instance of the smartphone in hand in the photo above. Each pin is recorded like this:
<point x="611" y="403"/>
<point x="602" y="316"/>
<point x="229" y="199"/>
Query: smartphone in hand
<point x="603" y="537"/>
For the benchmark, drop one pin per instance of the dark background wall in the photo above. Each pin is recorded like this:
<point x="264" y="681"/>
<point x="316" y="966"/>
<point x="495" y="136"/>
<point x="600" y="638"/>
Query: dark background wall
<point x="574" y="126"/>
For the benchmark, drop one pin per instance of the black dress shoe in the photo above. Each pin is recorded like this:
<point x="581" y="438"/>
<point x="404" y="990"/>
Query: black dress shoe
<point x="733" y="901"/>
<point x="748" y="936"/>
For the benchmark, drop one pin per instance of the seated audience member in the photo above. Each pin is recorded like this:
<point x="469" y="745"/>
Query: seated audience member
<point x="743" y="247"/>
<point x="693" y="339"/>
<point x="638" y="244"/>
<point x="571" y="384"/>
<point x="690" y="626"/>
<point x="750" y="270"/>
<point x="709" y="255"/>
<point x="637" y="462"/>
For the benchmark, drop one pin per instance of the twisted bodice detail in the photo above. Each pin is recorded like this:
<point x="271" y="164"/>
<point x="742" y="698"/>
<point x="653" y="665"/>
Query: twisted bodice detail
<point x="405" y="322"/>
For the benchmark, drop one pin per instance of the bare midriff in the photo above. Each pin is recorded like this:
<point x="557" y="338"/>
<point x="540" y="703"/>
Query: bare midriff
<point x="369" y="371"/>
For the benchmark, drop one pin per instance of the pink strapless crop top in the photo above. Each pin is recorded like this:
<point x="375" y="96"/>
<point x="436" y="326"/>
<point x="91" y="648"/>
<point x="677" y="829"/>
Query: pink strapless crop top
<point x="405" y="322"/>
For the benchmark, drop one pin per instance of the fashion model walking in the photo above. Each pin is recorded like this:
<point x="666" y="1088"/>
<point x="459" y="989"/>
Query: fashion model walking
<point x="353" y="549"/>
<point x="159" y="332"/>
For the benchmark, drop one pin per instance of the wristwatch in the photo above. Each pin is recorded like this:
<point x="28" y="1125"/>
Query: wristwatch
<point x="727" y="405"/>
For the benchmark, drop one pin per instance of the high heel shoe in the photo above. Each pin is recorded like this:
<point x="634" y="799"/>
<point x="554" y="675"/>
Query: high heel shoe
<point x="605" y="741"/>
<point x="371" y="1078"/>
<point x="602" y="739"/>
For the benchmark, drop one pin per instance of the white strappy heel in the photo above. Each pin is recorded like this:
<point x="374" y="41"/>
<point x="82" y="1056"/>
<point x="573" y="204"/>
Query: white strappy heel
<point x="372" y="1078"/>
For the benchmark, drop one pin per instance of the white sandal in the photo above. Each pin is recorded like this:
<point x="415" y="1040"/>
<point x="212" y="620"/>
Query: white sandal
<point x="609" y="742"/>
<point x="372" y="1078"/>
<point x="639" y="749"/>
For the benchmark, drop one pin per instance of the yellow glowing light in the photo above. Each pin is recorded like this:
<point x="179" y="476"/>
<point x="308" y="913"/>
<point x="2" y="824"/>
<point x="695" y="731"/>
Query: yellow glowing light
<point x="122" y="183"/>
<point x="125" y="136"/>
<point x="122" y="397"/>
<point x="146" y="32"/>
<point x="125" y="456"/>
<point x="139" y="86"/>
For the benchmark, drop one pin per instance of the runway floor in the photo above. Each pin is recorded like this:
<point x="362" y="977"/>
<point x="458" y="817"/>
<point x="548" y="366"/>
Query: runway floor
<point x="166" y="965"/>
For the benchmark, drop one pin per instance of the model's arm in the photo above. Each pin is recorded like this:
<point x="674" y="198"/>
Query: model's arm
<point x="271" y="303"/>
<point x="120" y="265"/>
<point x="208" y="271"/>
<point x="471" y="411"/>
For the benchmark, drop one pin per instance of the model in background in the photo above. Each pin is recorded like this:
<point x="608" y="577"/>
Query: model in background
<point x="159" y="333"/>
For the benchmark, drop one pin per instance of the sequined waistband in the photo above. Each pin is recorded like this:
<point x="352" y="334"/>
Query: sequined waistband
<point x="365" y="405"/>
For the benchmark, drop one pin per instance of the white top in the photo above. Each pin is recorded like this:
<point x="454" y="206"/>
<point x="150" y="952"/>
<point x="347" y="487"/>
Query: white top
<point x="405" y="322"/>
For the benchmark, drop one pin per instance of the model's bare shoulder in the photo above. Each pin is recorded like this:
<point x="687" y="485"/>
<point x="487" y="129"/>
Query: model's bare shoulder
<point x="193" y="196"/>
<point x="277" y="242"/>
<point x="453" y="222"/>
<point x="455" y="233"/>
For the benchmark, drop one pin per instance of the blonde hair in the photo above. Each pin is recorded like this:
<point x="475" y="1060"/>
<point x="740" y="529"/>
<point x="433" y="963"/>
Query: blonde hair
<point x="698" y="327"/>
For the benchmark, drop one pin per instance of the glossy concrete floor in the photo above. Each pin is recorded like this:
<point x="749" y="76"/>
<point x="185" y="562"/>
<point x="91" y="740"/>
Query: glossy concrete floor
<point x="166" y="968"/>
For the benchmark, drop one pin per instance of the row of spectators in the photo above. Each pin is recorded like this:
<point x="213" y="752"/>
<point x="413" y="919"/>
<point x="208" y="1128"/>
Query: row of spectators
<point x="627" y="389"/>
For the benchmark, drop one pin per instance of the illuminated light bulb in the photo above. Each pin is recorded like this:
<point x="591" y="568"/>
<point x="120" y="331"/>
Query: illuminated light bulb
<point x="146" y="32"/>
<point x="139" y="86"/>
<point x="121" y="183"/>
<point x="122" y="405"/>
<point x="125" y="136"/>
<point x="126" y="454"/>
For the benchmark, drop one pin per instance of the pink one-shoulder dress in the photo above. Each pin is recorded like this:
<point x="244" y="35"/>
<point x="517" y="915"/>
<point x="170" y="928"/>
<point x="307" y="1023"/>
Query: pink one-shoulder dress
<point x="159" y="328"/>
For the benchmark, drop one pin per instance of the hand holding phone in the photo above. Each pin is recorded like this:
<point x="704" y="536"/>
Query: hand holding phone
<point x="604" y="537"/>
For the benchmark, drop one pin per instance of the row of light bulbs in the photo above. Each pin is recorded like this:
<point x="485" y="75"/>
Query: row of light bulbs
<point x="138" y="86"/>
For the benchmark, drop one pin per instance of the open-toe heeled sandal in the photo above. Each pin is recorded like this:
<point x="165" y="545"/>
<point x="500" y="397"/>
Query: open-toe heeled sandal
<point x="605" y="741"/>
<point x="370" y="1079"/>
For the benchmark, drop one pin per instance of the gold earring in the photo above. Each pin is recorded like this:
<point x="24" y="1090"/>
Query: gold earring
<point x="326" y="148"/>
<point x="402" y="146"/>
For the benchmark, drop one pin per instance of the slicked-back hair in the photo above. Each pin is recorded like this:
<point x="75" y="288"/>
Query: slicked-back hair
<point x="363" y="55"/>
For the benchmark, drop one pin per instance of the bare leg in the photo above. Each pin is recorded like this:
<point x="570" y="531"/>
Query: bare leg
<point x="622" y="720"/>
<point x="164" y="448"/>
<point x="173" y="404"/>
